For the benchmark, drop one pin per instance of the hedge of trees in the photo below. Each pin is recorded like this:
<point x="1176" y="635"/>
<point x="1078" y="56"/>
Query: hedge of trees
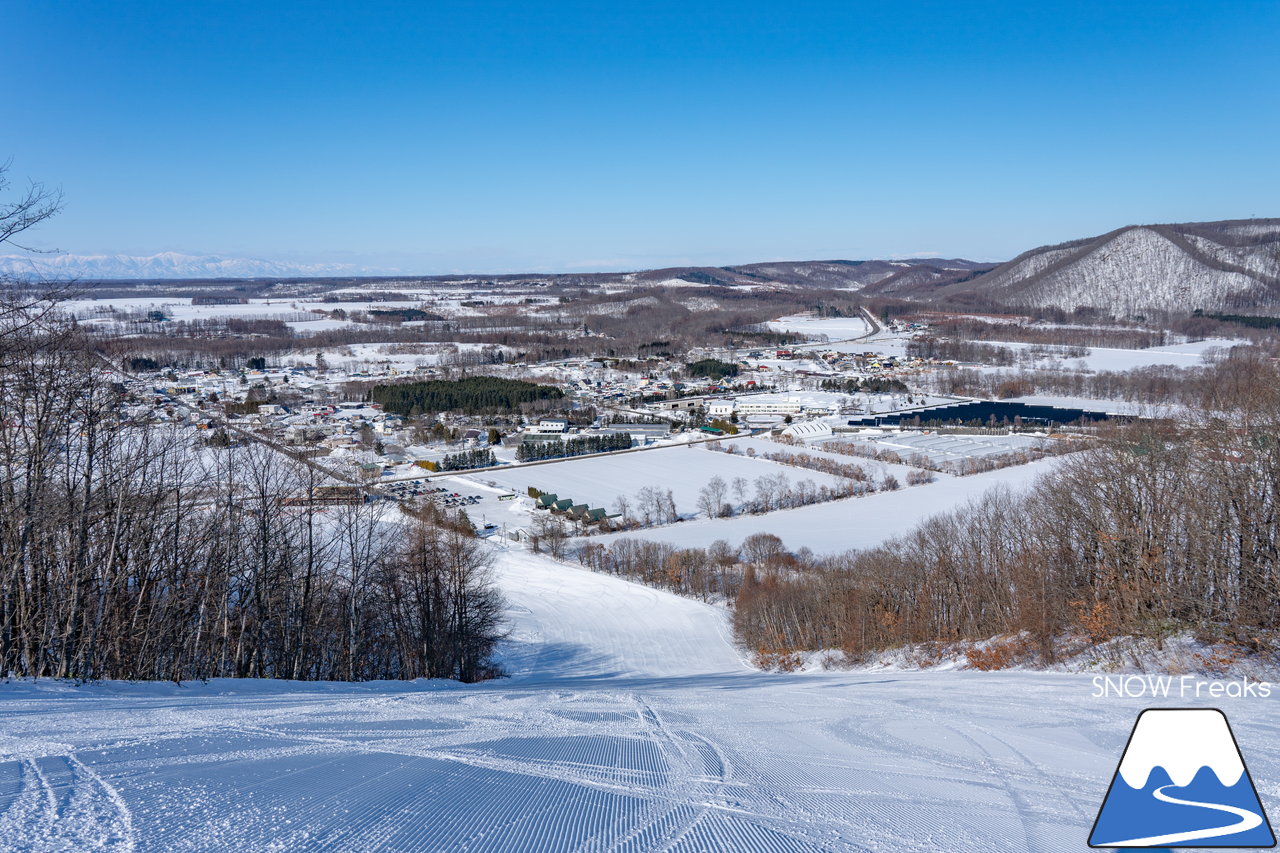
<point x="1250" y="320"/>
<point x="480" y="457"/>
<point x="401" y="315"/>
<point x="868" y="384"/>
<point x="531" y="451"/>
<point x="470" y="395"/>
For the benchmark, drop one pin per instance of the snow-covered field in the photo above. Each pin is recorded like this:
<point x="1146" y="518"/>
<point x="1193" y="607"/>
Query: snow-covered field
<point x="835" y="328"/>
<point x="405" y="357"/>
<point x="941" y="448"/>
<point x="1106" y="358"/>
<point x="685" y="470"/>
<point x="875" y="470"/>
<point x="835" y="526"/>
<point x="631" y="724"/>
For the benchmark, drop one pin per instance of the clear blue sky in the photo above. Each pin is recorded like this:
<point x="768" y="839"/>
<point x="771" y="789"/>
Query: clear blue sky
<point x="492" y="136"/>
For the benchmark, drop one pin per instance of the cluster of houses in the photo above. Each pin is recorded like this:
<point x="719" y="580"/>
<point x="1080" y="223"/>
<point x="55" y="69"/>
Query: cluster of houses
<point x="304" y="407"/>
<point x="566" y="507"/>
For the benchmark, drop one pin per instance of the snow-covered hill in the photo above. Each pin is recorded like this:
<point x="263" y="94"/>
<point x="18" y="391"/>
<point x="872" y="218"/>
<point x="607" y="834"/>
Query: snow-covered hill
<point x="165" y="265"/>
<point x="631" y="724"/>
<point x="1210" y="265"/>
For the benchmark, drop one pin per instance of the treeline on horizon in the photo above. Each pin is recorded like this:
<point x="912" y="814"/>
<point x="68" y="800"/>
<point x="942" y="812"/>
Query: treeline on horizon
<point x="1157" y="529"/>
<point x="568" y="321"/>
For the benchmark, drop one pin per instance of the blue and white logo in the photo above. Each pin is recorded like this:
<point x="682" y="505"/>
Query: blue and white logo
<point x="1182" y="782"/>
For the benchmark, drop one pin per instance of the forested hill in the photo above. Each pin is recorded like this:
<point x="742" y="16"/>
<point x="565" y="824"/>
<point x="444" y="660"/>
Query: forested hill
<point x="1211" y="266"/>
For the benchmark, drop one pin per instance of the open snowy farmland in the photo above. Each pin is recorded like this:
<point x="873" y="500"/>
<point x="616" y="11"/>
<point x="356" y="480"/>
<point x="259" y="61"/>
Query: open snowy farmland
<point x="835" y="526"/>
<point x="401" y="356"/>
<point x="301" y="313"/>
<point x="1112" y="358"/>
<point x="630" y="724"/>
<point x="833" y="328"/>
<point x="684" y="469"/>
<point x="875" y="469"/>
<point x="943" y="448"/>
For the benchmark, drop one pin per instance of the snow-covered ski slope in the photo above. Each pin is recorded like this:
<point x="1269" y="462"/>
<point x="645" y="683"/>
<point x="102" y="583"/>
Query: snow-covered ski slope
<point x="631" y="724"/>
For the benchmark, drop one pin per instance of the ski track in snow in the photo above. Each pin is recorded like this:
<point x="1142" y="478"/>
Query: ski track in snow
<point x="630" y="723"/>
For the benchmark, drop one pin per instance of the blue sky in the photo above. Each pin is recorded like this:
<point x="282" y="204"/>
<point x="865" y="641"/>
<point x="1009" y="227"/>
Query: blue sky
<point x="497" y="136"/>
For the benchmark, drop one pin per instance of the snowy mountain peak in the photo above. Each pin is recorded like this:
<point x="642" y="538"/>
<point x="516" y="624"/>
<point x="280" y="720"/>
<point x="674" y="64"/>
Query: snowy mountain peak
<point x="1182" y="742"/>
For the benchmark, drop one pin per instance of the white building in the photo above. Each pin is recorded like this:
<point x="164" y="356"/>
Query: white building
<point x="770" y="407"/>
<point x="721" y="408"/>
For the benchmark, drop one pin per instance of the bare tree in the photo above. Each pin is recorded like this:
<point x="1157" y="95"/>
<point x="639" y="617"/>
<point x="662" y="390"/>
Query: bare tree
<point x="649" y="505"/>
<point x="667" y="507"/>
<point x="550" y="533"/>
<point x="711" y="498"/>
<point x="26" y="210"/>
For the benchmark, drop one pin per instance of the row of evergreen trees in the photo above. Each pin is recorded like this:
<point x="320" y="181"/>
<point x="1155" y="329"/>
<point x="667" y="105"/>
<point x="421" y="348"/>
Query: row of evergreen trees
<point x="556" y="449"/>
<point x="868" y="384"/>
<point x="712" y="368"/>
<point x="480" y="457"/>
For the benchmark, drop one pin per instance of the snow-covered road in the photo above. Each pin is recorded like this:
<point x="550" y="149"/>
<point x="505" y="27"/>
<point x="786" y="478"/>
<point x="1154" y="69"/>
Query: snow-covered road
<point x="631" y="723"/>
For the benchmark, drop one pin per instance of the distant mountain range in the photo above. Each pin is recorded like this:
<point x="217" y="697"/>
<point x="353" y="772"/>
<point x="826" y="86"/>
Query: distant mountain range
<point x="1209" y="265"/>
<point x="167" y="265"/>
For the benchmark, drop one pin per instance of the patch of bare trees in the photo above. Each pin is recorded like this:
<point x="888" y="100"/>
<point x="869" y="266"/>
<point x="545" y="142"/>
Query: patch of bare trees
<point x="710" y="574"/>
<point x="800" y="459"/>
<point x="132" y="550"/>
<point x="923" y="463"/>
<point x="1074" y="335"/>
<point x="1154" y="385"/>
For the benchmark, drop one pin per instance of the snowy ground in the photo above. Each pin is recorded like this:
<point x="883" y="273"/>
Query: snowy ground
<point x="631" y="724"/>
<point x="1106" y="358"/>
<point x="941" y="448"/>
<point x="685" y="470"/>
<point x="405" y="357"/>
<point x="835" y="329"/>
<point x="875" y="470"/>
<point x="837" y="526"/>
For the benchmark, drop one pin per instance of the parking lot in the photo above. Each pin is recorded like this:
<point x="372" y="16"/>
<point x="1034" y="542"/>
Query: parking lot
<point x="442" y="496"/>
